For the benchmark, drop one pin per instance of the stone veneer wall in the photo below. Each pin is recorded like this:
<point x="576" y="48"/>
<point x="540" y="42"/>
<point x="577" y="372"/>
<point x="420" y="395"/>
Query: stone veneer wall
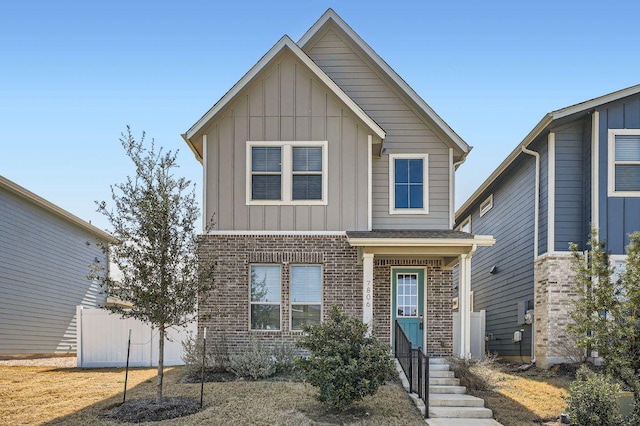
<point x="554" y="299"/>
<point x="225" y="310"/>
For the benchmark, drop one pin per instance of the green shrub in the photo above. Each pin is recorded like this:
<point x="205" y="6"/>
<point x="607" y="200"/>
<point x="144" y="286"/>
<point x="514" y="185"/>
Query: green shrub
<point x="285" y="359"/>
<point x="592" y="399"/>
<point x="345" y="364"/>
<point x="257" y="362"/>
<point x="217" y="357"/>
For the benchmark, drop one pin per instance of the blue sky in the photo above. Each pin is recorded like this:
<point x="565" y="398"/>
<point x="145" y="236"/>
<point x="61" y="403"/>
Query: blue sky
<point x="73" y="74"/>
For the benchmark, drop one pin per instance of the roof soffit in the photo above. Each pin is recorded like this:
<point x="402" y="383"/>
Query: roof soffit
<point x="331" y="20"/>
<point x="285" y="43"/>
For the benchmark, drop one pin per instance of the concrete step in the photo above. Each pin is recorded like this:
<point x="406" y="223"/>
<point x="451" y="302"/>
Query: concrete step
<point x="438" y="361"/>
<point x="454" y="400"/>
<point x="444" y="381"/>
<point x="460" y="412"/>
<point x="447" y="389"/>
<point x="462" y="422"/>
<point x="438" y="367"/>
<point x="441" y="373"/>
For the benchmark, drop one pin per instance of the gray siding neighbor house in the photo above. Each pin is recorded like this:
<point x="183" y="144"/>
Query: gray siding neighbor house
<point x="580" y="166"/>
<point x="330" y="182"/>
<point x="45" y="254"/>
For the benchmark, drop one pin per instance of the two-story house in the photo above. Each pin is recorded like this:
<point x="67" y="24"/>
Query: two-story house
<point x="579" y="167"/>
<point x="330" y="182"/>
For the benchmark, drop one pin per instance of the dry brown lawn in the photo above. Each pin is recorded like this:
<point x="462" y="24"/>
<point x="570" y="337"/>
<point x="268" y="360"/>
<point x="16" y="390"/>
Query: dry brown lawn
<point x="527" y="398"/>
<point x="69" y="396"/>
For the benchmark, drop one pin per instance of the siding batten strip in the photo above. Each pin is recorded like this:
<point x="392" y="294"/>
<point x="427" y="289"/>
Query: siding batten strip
<point x="452" y="190"/>
<point x="551" y="193"/>
<point x="369" y="182"/>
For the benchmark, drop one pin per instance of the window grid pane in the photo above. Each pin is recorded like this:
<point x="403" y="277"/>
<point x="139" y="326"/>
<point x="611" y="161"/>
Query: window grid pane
<point x="627" y="177"/>
<point x="266" y="187"/>
<point x="306" y="295"/>
<point x="627" y="148"/>
<point x="409" y="185"/>
<point x="265" y="283"/>
<point x="307" y="187"/>
<point x="307" y="159"/>
<point x="266" y="159"/>
<point x="407" y="295"/>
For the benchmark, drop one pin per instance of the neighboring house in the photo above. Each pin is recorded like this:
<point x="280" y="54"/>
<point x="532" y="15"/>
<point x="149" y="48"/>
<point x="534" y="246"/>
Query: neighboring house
<point x="330" y="182"/>
<point x="579" y="166"/>
<point x="45" y="253"/>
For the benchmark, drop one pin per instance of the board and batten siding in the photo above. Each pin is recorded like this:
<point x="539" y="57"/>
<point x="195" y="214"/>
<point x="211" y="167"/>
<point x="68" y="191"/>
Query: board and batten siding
<point x="44" y="262"/>
<point x="511" y="222"/>
<point x="406" y="131"/>
<point x="619" y="216"/>
<point x="287" y="103"/>
<point x="569" y="189"/>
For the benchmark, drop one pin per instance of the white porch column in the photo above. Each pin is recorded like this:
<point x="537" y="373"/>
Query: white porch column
<point x="367" y="289"/>
<point x="464" y="296"/>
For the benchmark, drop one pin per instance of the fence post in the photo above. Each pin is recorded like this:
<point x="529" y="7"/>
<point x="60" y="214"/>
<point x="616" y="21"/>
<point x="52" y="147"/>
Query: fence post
<point x="204" y="352"/>
<point x="126" y="374"/>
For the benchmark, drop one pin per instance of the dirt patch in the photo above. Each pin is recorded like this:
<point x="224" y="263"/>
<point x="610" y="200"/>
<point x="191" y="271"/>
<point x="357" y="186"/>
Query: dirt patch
<point x="146" y="410"/>
<point x="61" y="362"/>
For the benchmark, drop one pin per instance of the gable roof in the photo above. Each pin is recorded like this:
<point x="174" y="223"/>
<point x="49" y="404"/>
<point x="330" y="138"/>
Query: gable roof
<point x="538" y="129"/>
<point x="331" y="16"/>
<point x="284" y="43"/>
<point x="32" y="198"/>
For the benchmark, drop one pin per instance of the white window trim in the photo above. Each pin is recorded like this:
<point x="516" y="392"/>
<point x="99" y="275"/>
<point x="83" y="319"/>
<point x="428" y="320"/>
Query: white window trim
<point x="425" y="184"/>
<point x="291" y="303"/>
<point x="611" y="163"/>
<point x="486" y="205"/>
<point x="463" y="223"/>
<point x="258" y="330"/>
<point x="287" y="173"/>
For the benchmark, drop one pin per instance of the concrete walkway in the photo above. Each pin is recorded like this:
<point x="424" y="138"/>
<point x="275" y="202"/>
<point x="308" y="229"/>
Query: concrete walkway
<point x="449" y="404"/>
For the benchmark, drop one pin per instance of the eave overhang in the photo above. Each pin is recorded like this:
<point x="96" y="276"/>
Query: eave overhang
<point x="284" y="43"/>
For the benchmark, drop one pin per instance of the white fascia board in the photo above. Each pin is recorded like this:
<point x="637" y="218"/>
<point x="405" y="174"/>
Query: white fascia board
<point x="478" y="240"/>
<point x="285" y="41"/>
<point x="52" y="208"/>
<point x="592" y="103"/>
<point x="330" y="14"/>
<point x="279" y="233"/>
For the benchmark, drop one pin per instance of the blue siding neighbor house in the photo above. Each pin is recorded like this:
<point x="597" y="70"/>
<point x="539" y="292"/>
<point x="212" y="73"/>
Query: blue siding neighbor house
<point x="578" y="167"/>
<point x="45" y="254"/>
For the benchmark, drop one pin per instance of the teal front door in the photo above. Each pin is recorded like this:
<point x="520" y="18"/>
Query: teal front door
<point x="408" y="302"/>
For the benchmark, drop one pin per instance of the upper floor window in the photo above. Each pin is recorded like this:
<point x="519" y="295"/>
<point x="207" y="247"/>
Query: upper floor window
<point x="287" y="173"/>
<point x="408" y="184"/>
<point x="624" y="162"/>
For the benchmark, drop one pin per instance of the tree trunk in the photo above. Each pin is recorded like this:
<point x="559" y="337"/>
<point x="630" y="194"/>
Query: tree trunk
<point x="160" y="366"/>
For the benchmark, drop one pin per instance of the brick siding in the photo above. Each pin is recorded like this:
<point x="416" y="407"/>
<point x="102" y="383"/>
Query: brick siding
<point x="225" y="310"/>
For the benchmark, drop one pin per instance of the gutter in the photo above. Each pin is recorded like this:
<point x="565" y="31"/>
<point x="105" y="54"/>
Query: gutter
<point x="536" y="231"/>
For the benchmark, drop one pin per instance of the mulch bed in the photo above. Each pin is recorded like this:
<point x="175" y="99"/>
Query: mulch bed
<point x="146" y="410"/>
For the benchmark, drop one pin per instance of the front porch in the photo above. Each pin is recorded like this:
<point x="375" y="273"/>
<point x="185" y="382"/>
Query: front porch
<point x="433" y="254"/>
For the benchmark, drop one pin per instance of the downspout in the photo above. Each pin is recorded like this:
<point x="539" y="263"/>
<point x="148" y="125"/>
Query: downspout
<point x="452" y="192"/>
<point x="535" y="241"/>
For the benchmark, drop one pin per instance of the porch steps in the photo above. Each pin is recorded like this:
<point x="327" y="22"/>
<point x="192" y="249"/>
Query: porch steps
<point x="449" y="405"/>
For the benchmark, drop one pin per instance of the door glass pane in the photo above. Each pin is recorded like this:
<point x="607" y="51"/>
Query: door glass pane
<point x="407" y="295"/>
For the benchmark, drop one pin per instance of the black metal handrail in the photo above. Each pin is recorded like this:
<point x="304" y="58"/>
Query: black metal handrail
<point x="415" y="364"/>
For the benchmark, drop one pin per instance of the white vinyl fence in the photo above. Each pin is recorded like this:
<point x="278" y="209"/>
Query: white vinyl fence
<point x="102" y="341"/>
<point x="477" y="334"/>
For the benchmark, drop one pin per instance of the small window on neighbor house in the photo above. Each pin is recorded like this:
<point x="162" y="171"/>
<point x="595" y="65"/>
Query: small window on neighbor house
<point x="486" y="205"/>
<point x="306" y="295"/>
<point x="624" y="162"/>
<point x="465" y="225"/>
<point x="408" y="186"/>
<point x="265" y="297"/>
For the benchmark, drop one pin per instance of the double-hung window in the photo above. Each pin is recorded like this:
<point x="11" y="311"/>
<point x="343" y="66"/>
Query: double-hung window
<point x="287" y="173"/>
<point x="265" y="297"/>
<point x="624" y="163"/>
<point x="408" y="185"/>
<point x="306" y="295"/>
